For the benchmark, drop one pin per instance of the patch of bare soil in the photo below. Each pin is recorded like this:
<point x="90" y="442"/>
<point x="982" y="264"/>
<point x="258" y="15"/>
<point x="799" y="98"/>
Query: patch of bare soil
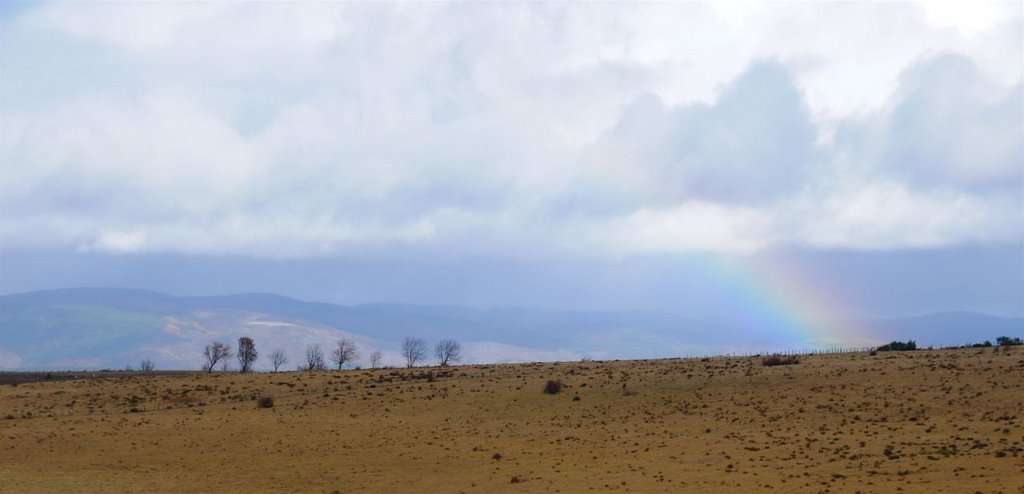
<point x="924" y="421"/>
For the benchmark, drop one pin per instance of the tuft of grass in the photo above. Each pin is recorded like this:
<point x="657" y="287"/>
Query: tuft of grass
<point x="266" y="402"/>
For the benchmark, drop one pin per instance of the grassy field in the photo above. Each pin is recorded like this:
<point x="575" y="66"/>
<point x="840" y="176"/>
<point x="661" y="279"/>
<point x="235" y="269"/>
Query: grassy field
<point x="924" y="421"/>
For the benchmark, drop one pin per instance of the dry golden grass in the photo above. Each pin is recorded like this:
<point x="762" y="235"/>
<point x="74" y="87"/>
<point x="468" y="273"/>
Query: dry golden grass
<point x="925" y="421"/>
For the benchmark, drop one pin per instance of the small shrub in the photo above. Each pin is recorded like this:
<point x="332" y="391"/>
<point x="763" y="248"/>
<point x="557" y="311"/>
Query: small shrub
<point x="266" y="402"/>
<point x="779" y="360"/>
<point x="553" y="387"/>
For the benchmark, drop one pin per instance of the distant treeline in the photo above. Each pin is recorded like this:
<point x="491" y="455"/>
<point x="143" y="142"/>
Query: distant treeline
<point x="1000" y="341"/>
<point x="899" y="346"/>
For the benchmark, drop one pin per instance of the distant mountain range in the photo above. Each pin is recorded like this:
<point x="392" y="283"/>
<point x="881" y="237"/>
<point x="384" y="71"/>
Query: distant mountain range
<point x="88" y="328"/>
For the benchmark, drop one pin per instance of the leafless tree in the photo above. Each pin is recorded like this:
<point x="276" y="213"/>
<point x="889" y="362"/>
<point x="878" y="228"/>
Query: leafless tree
<point x="247" y="354"/>
<point x="345" y="352"/>
<point x="278" y="358"/>
<point x="315" y="358"/>
<point x="447" y="351"/>
<point x="146" y="365"/>
<point x="413" y="349"/>
<point x="215" y="352"/>
<point x="375" y="359"/>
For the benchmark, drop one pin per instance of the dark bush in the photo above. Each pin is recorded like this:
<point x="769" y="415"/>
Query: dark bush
<point x="266" y="402"/>
<point x="779" y="360"/>
<point x="898" y="346"/>
<point x="1007" y="341"/>
<point x="553" y="387"/>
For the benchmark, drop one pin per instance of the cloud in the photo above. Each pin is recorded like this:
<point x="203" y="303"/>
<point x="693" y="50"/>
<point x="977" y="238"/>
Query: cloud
<point x="954" y="127"/>
<point x="941" y="165"/>
<point x="688" y="227"/>
<point x="754" y="143"/>
<point x="887" y="215"/>
<point x="277" y="130"/>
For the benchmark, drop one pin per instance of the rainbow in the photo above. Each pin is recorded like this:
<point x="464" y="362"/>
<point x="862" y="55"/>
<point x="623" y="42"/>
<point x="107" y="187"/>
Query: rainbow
<point x="777" y="304"/>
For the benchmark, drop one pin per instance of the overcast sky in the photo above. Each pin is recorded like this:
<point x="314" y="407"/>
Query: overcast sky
<point x="580" y="155"/>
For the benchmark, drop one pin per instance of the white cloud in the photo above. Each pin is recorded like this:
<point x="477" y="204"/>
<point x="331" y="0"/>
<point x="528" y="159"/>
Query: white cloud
<point x="885" y="215"/>
<point x="296" y="130"/>
<point x="136" y="27"/>
<point x="979" y="17"/>
<point x="692" y="226"/>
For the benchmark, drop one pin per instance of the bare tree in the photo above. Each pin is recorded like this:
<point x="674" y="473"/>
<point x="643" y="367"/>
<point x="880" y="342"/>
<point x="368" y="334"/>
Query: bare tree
<point x="247" y="354"/>
<point x="413" y="349"/>
<point x="375" y="359"/>
<point x="215" y="352"/>
<point x="278" y="358"/>
<point x="447" y="351"/>
<point x="345" y="352"/>
<point x="315" y="358"/>
<point x="146" y="365"/>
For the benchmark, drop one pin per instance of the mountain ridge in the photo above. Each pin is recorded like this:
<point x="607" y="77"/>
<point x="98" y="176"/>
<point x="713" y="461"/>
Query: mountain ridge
<point x="106" y="326"/>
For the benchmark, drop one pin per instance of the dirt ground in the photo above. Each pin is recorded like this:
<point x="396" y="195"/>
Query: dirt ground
<point x="924" y="421"/>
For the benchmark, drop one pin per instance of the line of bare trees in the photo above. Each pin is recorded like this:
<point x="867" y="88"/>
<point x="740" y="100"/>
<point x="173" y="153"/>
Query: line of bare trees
<point x="414" y="350"/>
<point x="220" y="353"/>
<point x="345" y="352"/>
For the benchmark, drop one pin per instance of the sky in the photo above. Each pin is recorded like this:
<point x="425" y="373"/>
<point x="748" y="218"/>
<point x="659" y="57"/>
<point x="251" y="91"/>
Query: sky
<point x="568" y="155"/>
